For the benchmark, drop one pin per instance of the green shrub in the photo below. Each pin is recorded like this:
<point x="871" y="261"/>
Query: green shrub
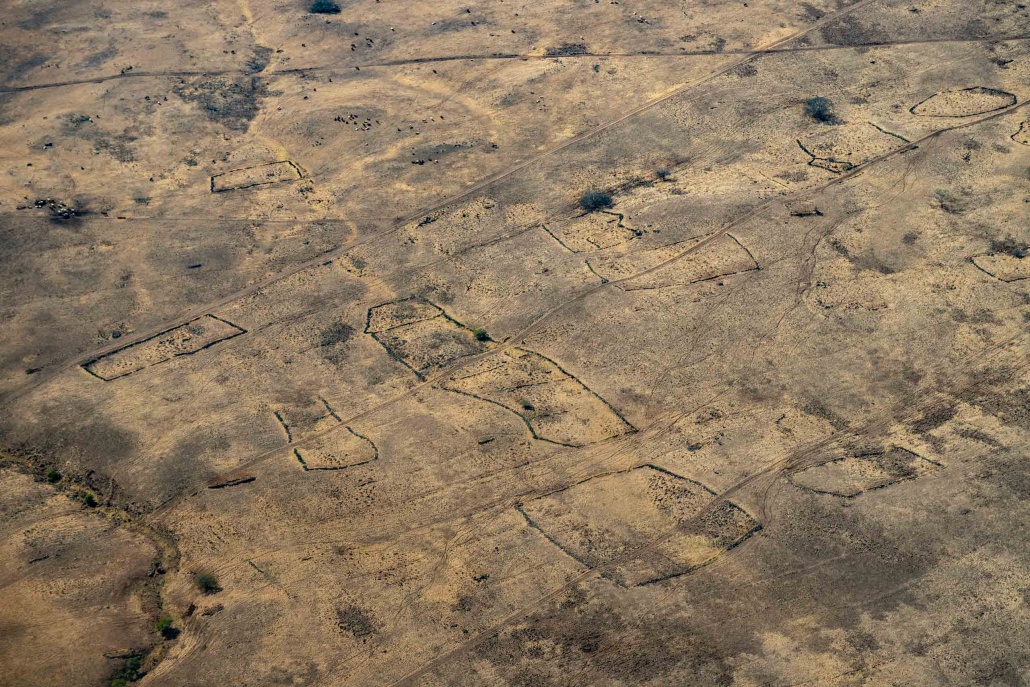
<point x="89" y="499"/>
<point x="480" y="334"/>
<point x="207" y="583"/>
<point x="821" y="110"/>
<point x="324" y="7"/>
<point x="595" y="200"/>
<point x="164" y="626"/>
<point x="53" y="476"/>
<point x="663" y="174"/>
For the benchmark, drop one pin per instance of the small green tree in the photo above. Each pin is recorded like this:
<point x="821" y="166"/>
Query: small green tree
<point x="53" y="476"/>
<point x="89" y="499"/>
<point x="595" y="200"/>
<point x="480" y="334"/>
<point x="164" y="626"/>
<point x="207" y="583"/>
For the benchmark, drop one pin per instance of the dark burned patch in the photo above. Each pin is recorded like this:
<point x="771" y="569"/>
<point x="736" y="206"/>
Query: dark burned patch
<point x="233" y="103"/>
<point x="974" y="434"/>
<point x="862" y="262"/>
<point x="817" y="408"/>
<point x="850" y="30"/>
<point x="461" y="23"/>
<point x="74" y="434"/>
<point x="1005" y="472"/>
<point x="812" y="13"/>
<point x="568" y="49"/>
<point x="98" y="59"/>
<point x="119" y="145"/>
<point x="336" y="333"/>
<point x="435" y="151"/>
<point x="260" y="59"/>
<point x="355" y="621"/>
<point x="41" y="18"/>
<point x="933" y="419"/>
<point x="746" y="70"/>
<point x="75" y="430"/>
<point x="332" y="340"/>
<point x="1011" y="406"/>
<point x="601" y="646"/>
<point x="20" y="70"/>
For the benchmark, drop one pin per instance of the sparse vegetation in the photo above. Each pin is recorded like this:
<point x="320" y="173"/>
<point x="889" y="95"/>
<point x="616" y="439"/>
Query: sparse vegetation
<point x="948" y="201"/>
<point x="821" y="110"/>
<point x="130" y="671"/>
<point x="324" y="7"/>
<point x="338" y="332"/>
<point x="53" y="476"/>
<point x="1017" y="249"/>
<point x="663" y="174"/>
<point x="207" y="583"/>
<point x="89" y="499"/>
<point x="480" y="334"/>
<point x="355" y="621"/>
<point x="595" y="200"/>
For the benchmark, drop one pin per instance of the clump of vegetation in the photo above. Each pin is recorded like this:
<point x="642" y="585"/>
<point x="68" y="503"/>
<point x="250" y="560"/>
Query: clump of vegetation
<point x="948" y="201"/>
<point x="821" y="110"/>
<point x="324" y="7"/>
<point x="131" y="670"/>
<point x="595" y="200"/>
<point x="1017" y="249"/>
<point x="53" y="476"/>
<point x="480" y="334"/>
<point x="164" y="626"/>
<point x="355" y="621"/>
<point x="338" y="332"/>
<point x="89" y="499"/>
<point x="207" y="583"/>
<point x="567" y="49"/>
<point x="663" y="174"/>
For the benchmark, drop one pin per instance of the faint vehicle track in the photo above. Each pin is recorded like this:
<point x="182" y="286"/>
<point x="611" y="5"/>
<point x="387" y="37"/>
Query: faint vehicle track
<point x="46" y="374"/>
<point x="534" y="326"/>
<point x="801" y="456"/>
<point x="502" y="56"/>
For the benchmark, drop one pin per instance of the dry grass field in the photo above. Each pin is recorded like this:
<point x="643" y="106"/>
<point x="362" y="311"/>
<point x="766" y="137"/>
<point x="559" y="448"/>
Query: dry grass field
<point x="515" y="343"/>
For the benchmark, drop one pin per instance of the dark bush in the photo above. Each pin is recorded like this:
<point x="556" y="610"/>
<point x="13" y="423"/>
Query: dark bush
<point x="595" y="200"/>
<point x="480" y="334"/>
<point x="821" y="110"/>
<point x="1017" y="249"/>
<point x="130" y="671"/>
<point x="207" y="583"/>
<point x="89" y="499"/>
<point x="53" y="476"/>
<point x="324" y="7"/>
<point x="164" y="626"/>
<point x="663" y="174"/>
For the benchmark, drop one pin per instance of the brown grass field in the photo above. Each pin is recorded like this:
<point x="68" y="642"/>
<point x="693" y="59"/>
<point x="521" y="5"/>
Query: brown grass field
<point x="514" y="343"/>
